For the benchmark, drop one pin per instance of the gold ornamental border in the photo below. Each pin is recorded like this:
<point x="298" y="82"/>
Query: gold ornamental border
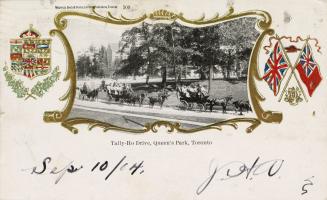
<point x="263" y="24"/>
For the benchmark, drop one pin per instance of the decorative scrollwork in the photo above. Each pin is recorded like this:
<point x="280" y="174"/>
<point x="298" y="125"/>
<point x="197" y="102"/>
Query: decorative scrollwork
<point x="162" y="15"/>
<point x="61" y="23"/>
<point x="171" y="126"/>
<point x="70" y="73"/>
<point x="53" y="116"/>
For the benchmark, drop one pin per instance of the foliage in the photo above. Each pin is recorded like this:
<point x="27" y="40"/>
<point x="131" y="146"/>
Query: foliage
<point x="17" y="86"/>
<point x="93" y="62"/>
<point x="43" y="86"/>
<point x="38" y="89"/>
<point x="154" y="49"/>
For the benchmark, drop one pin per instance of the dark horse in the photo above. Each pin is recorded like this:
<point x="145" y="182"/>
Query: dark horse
<point x="223" y="102"/>
<point x="242" y="105"/>
<point x="161" y="98"/>
<point x="91" y="95"/>
<point x="133" y="98"/>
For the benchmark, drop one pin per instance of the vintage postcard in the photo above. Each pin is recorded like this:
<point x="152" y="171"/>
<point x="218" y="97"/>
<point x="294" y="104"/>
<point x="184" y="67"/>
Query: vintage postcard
<point x="150" y="100"/>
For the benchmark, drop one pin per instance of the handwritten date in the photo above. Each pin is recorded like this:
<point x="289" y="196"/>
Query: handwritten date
<point x="71" y="167"/>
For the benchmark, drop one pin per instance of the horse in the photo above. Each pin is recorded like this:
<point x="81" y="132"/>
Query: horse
<point x="134" y="98"/>
<point x="240" y="105"/>
<point x="88" y="92"/>
<point x="223" y="102"/>
<point x="161" y="98"/>
<point x="93" y="95"/>
<point x="220" y="102"/>
<point x="140" y="99"/>
<point x="113" y="95"/>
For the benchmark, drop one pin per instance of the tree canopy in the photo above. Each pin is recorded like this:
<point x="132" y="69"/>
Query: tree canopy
<point x="159" y="48"/>
<point x="162" y="50"/>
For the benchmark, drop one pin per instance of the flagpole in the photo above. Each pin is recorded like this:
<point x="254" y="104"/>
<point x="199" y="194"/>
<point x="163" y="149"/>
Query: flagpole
<point x="289" y="78"/>
<point x="292" y="73"/>
<point x="298" y="82"/>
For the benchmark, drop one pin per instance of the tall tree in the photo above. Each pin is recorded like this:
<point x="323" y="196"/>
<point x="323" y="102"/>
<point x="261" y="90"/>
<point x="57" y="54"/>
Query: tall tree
<point x="83" y="63"/>
<point x="138" y="40"/>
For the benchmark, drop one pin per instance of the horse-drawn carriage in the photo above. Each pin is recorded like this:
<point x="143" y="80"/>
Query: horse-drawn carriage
<point x="193" y="97"/>
<point x="121" y="93"/>
<point x="196" y="98"/>
<point x="126" y="96"/>
<point x="192" y="100"/>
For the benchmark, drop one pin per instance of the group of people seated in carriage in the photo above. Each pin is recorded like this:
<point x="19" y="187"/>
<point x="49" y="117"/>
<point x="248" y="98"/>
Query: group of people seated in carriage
<point x="112" y="88"/>
<point x="117" y="88"/>
<point x="117" y="91"/>
<point x="193" y="91"/>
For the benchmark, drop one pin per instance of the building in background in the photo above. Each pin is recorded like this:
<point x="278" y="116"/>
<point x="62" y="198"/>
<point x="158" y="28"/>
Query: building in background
<point x="109" y="69"/>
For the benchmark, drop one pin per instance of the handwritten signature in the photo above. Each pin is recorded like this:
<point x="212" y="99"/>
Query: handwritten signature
<point x="71" y="167"/>
<point x="236" y="169"/>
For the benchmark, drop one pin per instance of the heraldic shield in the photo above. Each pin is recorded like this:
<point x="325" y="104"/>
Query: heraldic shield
<point x="30" y="54"/>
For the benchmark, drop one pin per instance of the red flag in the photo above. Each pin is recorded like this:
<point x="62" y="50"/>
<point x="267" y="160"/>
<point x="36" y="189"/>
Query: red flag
<point x="308" y="69"/>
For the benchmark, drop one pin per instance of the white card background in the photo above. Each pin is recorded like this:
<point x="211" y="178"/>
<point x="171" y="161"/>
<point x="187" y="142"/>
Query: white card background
<point x="170" y="172"/>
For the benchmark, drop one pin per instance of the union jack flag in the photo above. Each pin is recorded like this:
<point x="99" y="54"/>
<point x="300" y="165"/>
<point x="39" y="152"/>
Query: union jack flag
<point x="275" y="68"/>
<point x="308" y="69"/>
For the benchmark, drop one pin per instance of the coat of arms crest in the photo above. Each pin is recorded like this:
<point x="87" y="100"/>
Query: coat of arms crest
<point x="30" y="54"/>
<point x="293" y="96"/>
